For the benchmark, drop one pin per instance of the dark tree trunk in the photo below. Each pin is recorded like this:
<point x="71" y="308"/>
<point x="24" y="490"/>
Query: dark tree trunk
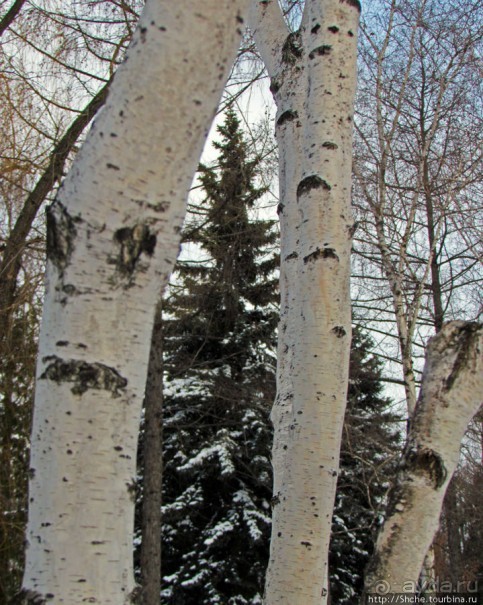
<point x="437" y="295"/>
<point x="15" y="244"/>
<point x="10" y="15"/>
<point x="152" y="455"/>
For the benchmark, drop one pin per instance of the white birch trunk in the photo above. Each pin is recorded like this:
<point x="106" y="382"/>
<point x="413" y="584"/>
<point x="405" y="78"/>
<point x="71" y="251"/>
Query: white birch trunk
<point x="451" y="394"/>
<point x="313" y="74"/>
<point x="113" y="236"/>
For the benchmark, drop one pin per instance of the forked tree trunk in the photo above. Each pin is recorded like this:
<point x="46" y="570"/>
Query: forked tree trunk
<point x="451" y="394"/>
<point x="112" y="238"/>
<point x="313" y="75"/>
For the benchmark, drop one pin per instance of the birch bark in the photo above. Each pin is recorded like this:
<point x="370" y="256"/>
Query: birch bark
<point x="313" y="75"/>
<point x="112" y="238"/>
<point x="449" y="398"/>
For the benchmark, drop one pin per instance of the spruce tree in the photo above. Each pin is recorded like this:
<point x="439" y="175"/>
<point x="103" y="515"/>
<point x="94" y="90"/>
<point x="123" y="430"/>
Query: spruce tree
<point x="219" y="362"/>
<point x="219" y="346"/>
<point x="17" y="374"/>
<point x="369" y="451"/>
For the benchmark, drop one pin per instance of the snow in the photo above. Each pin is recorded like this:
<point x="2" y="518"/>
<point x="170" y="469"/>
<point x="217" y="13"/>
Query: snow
<point x="251" y="516"/>
<point x="218" y="449"/>
<point x="186" y="386"/>
<point x="218" y="531"/>
<point x="192" y="496"/>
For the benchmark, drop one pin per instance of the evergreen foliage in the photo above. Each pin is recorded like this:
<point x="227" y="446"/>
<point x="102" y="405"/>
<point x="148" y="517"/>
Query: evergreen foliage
<point x="18" y="349"/>
<point x="369" y="451"/>
<point x="219" y="342"/>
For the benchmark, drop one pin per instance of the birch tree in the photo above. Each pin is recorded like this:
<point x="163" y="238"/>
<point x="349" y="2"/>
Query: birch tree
<point x="418" y="166"/>
<point x="112" y="237"/>
<point x="418" y="200"/>
<point x="312" y="72"/>
<point x="293" y="60"/>
<point x="56" y="65"/>
<point x="45" y="106"/>
<point x="449" y="398"/>
<point x="220" y="327"/>
<point x="113" y="233"/>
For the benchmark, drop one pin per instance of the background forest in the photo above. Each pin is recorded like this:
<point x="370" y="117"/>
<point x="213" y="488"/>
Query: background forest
<point x="417" y="263"/>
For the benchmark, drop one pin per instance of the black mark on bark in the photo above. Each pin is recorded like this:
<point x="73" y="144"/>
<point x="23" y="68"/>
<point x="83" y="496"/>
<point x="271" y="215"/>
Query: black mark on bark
<point x="318" y="253"/>
<point x="159" y="206"/>
<point x="275" y="500"/>
<point x="333" y="28"/>
<point x="292" y="256"/>
<point x="292" y="48"/>
<point x="136" y="596"/>
<point x="311" y="182"/>
<point x="315" y="29"/>
<point x="274" y="86"/>
<point x="61" y="234"/>
<point x="429" y="463"/>
<point x="30" y="597"/>
<point x="70" y="290"/>
<point x="133" y="241"/>
<point x="339" y="331"/>
<point x="329" y="145"/>
<point x="465" y="339"/>
<point x="287" y="116"/>
<point x="320" y="50"/>
<point x="112" y="166"/>
<point x="351" y="229"/>
<point x="354" y="3"/>
<point x="84" y="375"/>
<point x="133" y="490"/>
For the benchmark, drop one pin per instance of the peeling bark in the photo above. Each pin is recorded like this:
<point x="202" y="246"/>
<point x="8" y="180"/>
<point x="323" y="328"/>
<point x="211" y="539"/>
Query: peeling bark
<point x="83" y="375"/>
<point x="450" y="396"/>
<point x="113" y="236"/>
